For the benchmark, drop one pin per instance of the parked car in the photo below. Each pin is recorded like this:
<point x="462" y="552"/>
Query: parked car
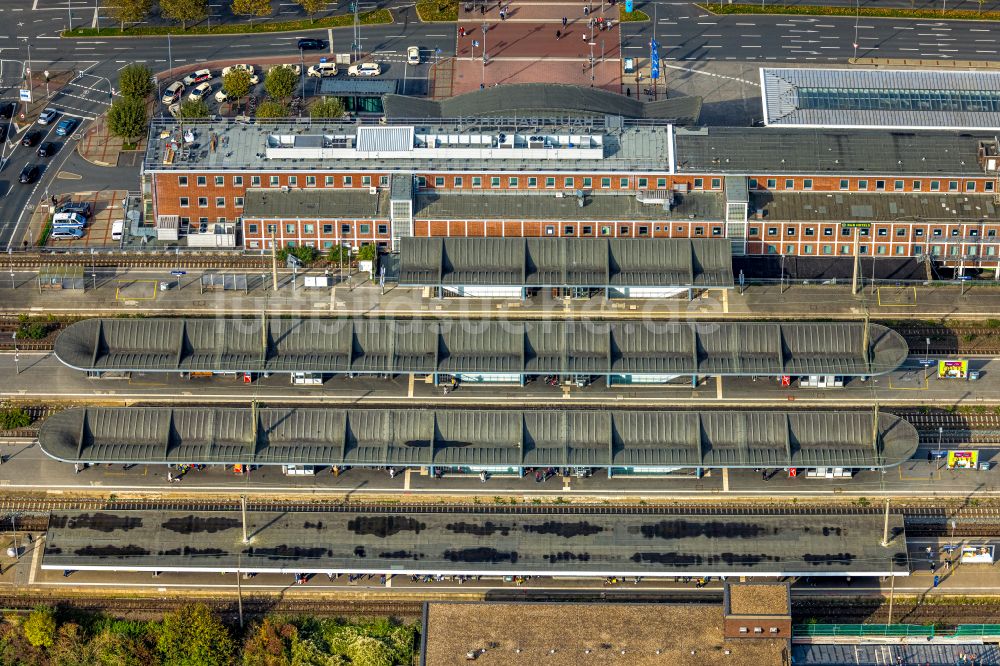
<point x="47" y="149"/>
<point x="31" y="138"/>
<point x="365" y="69"/>
<point x="66" y="233"/>
<point x="323" y="69"/>
<point x="413" y="55"/>
<point x="311" y="44"/>
<point x="295" y="68"/>
<point x="200" y="92"/>
<point x="47" y="116"/>
<point x="66" y="126"/>
<point x="78" y="207"/>
<point x="8" y="109"/>
<point x="173" y="92"/>
<point x="200" y="76"/>
<point x="254" y="79"/>
<point x="221" y="96"/>
<point x="29" y="174"/>
<point x="69" y="220"/>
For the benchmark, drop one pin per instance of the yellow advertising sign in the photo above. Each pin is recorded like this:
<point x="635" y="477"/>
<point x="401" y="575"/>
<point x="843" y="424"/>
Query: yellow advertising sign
<point x="953" y="369"/>
<point x="963" y="459"/>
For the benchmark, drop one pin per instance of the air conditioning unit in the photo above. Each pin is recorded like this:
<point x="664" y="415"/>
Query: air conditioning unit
<point x="285" y="188"/>
<point x="560" y="195"/>
<point x="373" y="190"/>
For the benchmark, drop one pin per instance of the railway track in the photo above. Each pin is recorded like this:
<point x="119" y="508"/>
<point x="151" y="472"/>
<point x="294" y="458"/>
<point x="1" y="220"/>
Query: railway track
<point x="125" y="261"/>
<point x="951" y="340"/>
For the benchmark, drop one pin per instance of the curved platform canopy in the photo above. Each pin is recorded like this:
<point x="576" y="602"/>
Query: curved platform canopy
<point x="395" y="346"/>
<point x="469" y="437"/>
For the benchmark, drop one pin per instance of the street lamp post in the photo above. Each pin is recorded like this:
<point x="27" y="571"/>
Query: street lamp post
<point x="927" y="350"/>
<point x="486" y="29"/>
<point x="17" y="367"/>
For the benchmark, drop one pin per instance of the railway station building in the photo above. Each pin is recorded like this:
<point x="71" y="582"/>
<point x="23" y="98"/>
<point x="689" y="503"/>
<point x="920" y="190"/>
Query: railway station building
<point x="485" y="352"/>
<point x="462" y="441"/>
<point x="505" y="541"/>
<point x="780" y="190"/>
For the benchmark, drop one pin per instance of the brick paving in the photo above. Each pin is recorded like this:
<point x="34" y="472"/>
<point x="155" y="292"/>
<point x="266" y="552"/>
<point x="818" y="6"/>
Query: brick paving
<point x="106" y="207"/>
<point x="469" y="75"/>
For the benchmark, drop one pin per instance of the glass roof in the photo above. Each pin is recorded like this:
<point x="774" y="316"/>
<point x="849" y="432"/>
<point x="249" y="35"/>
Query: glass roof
<point x="898" y="99"/>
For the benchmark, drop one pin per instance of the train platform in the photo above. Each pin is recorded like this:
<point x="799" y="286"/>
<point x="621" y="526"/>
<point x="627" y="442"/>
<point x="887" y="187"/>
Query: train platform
<point x="495" y="542"/>
<point x="157" y="292"/>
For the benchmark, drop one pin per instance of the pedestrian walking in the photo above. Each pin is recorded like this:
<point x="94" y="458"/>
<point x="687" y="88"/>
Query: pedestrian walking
<point x="76" y="468"/>
<point x="170" y="477"/>
<point x="564" y="21"/>
<point x="586" y="11"/>
<point x="584" y="35"/>
<point x="558" y="35"/>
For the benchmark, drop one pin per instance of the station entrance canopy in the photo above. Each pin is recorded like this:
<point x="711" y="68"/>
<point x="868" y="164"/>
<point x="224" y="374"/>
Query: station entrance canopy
<point x="518" y="348"/>
<point x="475" y="438"/>
<point x="617" y="265"/>
<point x="463" y="541"/>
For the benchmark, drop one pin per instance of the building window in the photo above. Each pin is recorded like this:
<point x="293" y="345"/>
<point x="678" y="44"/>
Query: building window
<point x="623" y="230"/>
<point x="364" y="229"/>
<point x="308" y="229"/>
<point x="366" y="181"/>
<point x="569" y="183"/>
<point x="311" y="181"/>
<point x="383" y="229"/>
<point x="772" y="231"/>
<point x="845" y="184"/>
<point x="753" y="231"/>
<point x="699" y="231"/>
<point x="789" y="184"/>
<point x="917" y="185"/>
<point x="828" y="231"/>
<point x="883" y="231"/>
<point x="348" y="181"/>
<point x="438" y="181"/>
<point x="901" y="231"/>
<point x="289" y="228"/>
<point x="532" y="181"/>
<point x="935" y="185"/>
<point x="512" y="182"/>
<point x="237" y="181"/>
<point x="587" y="230"/>
<point x="477" y="181"/>
<point x="568" y="230"/>
<point x="220" y="202"/>
<point x="790" y="231"/>
<point x="293" y="181"/>
<point x="328" y="181"/>
<point x="807" y="184"/>
<point x="202" y="220"/>
<point x="807" y="249"/>
<point x="897" y="185"/>
<point x="274" y="181"/>
<point x="272" y="229"/>
<point x="182" y="181"/>
<point x="953" y="186"/>
<point x="605" y="183"/>
<point x="495" y="181"/>
<point x="810" y="231"/>
<point x="661" y="183"/>
<point x="459" y="182"/>
<point x="918" y="232"/>
<point x="345" y="229"/>
<point x="988" y="186"/>
<point x="772" y="250"/>
<point x="202" y="202"/>
<point x="550" y="230"/>
<point x="845" y="231"/>
<point x="643" y="183"/>
<point x="643" y="230"/>
<point x="862" y="185"/>
<point x="772" y="183"/>
<point x="753" y="183"/>
<point x="220" y="181"/>
<point x="421" y="182"/>
<point x="550" y="182"/>
<point x="623" y="183"/>
<point x="184" y="202"/>
<point x="716" y="231"/>
<point x="699" y="183"/>
<point x="879" y="185"/>
<point x="970" y="186"/>
<point x="202" y="181"/>
<point x="254" y="181"/>
<point x="327" y="229"/>
<point x="251" y="228"/>
<point x="588" y="183"/>
<point x="383" y="181"/>
<point x="827" y="249"/>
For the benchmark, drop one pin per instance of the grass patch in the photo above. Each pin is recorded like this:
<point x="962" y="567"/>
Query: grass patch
<point x="130" y="145"/>
<point x="808" y="10"/>
<point x="430" y="11"/>
<point x="376" y="17"/>
<point x="43" y="237"/>
<point x="631" y="17"/>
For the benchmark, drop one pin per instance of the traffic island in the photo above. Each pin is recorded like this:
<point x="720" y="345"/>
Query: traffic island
<point x="868" y="12"/>
<point x="437" y="11"/>
<point x="374" y="17"/>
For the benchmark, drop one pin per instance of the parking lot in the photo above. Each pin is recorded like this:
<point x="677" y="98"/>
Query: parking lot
<point x="105" y="208"/>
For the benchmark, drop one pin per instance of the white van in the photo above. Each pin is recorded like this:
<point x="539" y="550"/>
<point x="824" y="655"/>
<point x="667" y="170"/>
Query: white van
<point x="117" y="227"/>
<point x="69" y="220"/>
<point x="322" y="69"/>
<point x="66" y="233"/>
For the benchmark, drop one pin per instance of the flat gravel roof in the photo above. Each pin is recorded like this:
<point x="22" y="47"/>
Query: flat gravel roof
<point x="393" y="346"/>
<point x="498" y="541"/>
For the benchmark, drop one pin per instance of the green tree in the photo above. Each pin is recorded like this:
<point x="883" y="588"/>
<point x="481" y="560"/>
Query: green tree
<point x="194" y="109"/>
<point x="111" y="648"/>
<point x="237" y="83"/>
<point x="40" y="627"/>
<point x="328" y="107"/>
<point x="128" y="11"/>
<point x="193" y="636"/>
<point x="136" y="81"/>
<point x="312" y="7"/>
<point x="127" y="117"/>
<point x="71" y="647"/>
<point x="307" y="653"/>
<point x="269" y="644"/>
<point x="368" y="252"/>
<point x="184" y="10"/>
<point x="369" y="651"/>
<point x="272" y="109"/>
<point x="280" y="82"/>
<point x="14" y="417"/>
<point x="251" y="8"/>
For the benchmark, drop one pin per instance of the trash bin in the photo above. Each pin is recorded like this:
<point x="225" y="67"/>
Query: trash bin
<point x="984" y="466"/>
<point x="973" y="375"/>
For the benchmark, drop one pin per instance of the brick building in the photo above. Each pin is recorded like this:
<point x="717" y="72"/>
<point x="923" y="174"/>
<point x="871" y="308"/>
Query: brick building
<point x="770" y="190"/>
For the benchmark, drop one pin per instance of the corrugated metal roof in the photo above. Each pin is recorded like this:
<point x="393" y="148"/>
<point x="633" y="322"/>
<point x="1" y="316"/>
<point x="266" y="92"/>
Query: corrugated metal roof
<point x="566" y="262"/>
<point x="881" y="98"/>
<point x="445" y="437"/>
<point x="391" y="346"/>
<point x="385" y="139"/>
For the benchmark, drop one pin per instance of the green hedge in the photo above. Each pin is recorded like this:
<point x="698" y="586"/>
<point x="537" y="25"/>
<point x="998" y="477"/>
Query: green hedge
<point x="631" y="17"/>
<point x="809" y="10"/>
<point x="430" y="11"/>
<point x="376" y="17"/>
